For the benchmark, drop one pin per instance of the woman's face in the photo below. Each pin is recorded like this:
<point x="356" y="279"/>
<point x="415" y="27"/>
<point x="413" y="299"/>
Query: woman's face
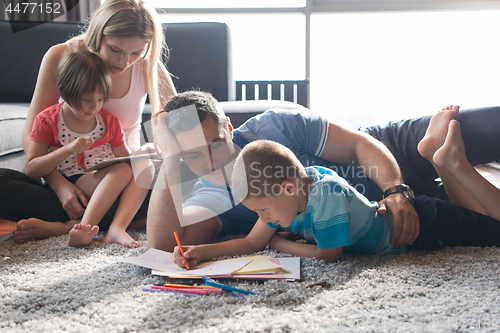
<point x="119" y="54"/>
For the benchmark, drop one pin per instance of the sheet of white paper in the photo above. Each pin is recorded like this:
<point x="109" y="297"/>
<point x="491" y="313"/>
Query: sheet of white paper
<point x="163" y="261"/>
<point x="293" y="265"/>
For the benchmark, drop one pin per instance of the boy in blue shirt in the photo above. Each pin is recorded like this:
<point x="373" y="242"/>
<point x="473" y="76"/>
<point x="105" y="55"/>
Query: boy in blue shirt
<point x="322" y="208"/>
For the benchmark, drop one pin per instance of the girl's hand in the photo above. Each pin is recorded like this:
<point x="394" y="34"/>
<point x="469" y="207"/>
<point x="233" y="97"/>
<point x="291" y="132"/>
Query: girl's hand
<point x="80" y="145"/>
<point x="192" y="253"/>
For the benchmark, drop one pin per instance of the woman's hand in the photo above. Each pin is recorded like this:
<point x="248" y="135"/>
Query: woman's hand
<point x="72" y="199"/>
<point x="147" y="148"/>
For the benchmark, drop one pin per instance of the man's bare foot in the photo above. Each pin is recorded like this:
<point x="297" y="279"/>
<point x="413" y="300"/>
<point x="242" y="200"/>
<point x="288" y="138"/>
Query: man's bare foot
<point x="436" y="132"/>
<point x="37" y="229"/>
<point x="82" y="234"/>
<point x="452" y="153"/>
<point x="119" y="236"/>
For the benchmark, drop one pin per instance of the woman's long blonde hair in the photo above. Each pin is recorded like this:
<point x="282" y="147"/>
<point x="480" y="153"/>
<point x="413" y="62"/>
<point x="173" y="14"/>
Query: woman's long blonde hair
<point x="128" y="19"/>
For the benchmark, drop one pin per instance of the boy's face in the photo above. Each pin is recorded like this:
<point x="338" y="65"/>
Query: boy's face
<point x="206" y="149"/>
<point x="281" y="209"/>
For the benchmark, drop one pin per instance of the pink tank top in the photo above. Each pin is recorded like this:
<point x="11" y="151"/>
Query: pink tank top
<point x="128" y="109"/>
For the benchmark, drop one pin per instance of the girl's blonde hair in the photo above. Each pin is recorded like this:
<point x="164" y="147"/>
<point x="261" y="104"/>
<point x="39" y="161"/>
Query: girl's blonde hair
<point x="128" y="19"/>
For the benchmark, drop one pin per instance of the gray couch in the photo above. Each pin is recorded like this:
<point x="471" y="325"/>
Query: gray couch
<point x="200" y="58"/>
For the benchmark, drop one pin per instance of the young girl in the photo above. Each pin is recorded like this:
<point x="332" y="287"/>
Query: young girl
<point x="128" y="37"/>
<point x="76" y="134"/>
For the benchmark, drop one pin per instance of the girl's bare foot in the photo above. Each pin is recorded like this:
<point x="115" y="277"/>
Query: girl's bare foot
<point x="119" y="236"/>
<point x="436" y="132"/>
<point x="38" y="229"/>
<point x="452" y="153"/>
<point x="82" y="234"/>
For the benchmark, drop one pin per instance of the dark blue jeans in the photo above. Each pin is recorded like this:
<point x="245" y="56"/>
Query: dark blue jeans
<point x="443" y="224"/>
<point x="22" y="198"/>
<point x="479" y="131"/>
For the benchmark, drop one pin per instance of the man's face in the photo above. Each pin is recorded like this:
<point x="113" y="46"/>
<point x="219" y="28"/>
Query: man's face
<point x="206" y="149"/>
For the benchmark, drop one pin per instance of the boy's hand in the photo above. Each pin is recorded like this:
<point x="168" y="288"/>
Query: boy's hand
<point x="80" y="145"/>
<point x="192" y="253"/>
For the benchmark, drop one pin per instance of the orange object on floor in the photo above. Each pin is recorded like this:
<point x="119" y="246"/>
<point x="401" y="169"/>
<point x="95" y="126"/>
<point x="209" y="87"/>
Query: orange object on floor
<point x="7" y="227"/>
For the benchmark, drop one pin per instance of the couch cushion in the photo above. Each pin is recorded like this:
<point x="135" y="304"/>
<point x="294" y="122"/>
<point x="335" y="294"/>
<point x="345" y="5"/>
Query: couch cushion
<point x="200" y="58"/>
<point x="22" y="53"/>
<point x="12" y="118"/>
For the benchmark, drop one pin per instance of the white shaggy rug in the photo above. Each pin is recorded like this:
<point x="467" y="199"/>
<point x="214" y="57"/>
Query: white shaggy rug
<point x="47" y="287"/>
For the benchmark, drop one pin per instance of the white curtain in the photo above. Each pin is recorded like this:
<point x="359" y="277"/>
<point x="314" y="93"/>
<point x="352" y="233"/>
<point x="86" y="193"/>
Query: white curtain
<point x="48" y="10"/>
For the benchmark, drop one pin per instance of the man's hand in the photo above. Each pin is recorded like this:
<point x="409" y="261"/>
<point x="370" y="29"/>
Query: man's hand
<point x="165" y="142"/>
<point x="406" y="226"/>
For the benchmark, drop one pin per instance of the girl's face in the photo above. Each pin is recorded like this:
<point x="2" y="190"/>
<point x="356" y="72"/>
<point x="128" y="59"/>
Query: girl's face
<point x="119" y="54"/>
<point x="91" y="103"/>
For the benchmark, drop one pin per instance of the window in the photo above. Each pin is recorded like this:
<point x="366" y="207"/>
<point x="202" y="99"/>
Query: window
<point x="264" y="46"/>
<point x="370" y="68"/>
<point x="370" y="61"/>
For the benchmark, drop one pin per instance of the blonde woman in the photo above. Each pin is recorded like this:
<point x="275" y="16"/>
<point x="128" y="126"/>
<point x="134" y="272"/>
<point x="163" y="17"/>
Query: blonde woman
<point x="128" y="37"/>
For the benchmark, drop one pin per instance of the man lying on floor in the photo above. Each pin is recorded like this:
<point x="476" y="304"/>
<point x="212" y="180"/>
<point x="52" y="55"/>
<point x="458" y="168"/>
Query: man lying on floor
<point x="203" y="136"/>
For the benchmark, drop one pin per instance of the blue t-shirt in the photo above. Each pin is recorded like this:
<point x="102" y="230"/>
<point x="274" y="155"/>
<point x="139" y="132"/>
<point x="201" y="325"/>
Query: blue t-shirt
<point x="305" y="134"/>
<point x="339" y="216"/>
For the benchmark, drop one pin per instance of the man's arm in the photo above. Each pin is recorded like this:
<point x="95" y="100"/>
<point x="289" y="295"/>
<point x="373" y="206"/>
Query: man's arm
<point x="195" y="225"/>
<point x="164" y="215"/>
<point x="345" y="145"/>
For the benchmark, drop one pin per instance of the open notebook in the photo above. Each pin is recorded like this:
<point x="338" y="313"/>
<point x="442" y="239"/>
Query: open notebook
<point x="253" y="267"/>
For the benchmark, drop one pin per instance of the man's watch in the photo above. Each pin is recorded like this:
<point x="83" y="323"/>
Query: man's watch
<point x="402" y="188"/>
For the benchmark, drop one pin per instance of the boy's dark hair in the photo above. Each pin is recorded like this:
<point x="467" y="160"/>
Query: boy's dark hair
<point x="261" y="167"/>
<point x="206" y="106"/>
<point x="80" y="73"/>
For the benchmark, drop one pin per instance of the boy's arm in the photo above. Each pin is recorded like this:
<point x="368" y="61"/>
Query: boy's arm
<point x="282" y="244"/>
<point x="255" y="241"/>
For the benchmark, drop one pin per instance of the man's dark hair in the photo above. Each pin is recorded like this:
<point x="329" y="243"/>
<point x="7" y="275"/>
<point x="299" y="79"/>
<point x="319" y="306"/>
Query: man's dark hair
<point x="206" y="106"/>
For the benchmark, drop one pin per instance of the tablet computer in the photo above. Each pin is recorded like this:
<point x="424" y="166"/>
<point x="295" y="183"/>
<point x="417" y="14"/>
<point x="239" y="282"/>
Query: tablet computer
<point x="127" y="159"/>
